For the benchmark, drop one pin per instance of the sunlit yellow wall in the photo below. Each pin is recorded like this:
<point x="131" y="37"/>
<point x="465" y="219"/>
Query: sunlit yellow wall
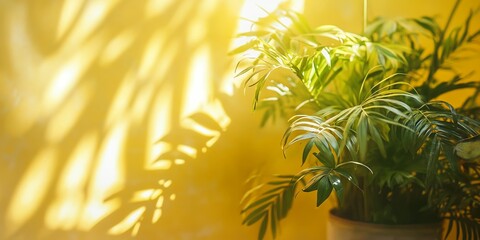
<point x="117" y="119"/>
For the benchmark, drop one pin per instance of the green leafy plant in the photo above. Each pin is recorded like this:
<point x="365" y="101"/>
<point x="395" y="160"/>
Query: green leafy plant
<point x="366" y="111"/>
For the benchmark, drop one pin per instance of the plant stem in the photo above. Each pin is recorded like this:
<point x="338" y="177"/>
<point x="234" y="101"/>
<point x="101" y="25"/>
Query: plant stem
<point x="435" y="61"/>
<point x="365" y="12"/>
<point x="452" y="13"/>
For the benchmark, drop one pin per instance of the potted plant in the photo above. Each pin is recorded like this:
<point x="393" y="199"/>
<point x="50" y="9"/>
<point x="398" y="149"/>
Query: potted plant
<point x="365" y="111"/>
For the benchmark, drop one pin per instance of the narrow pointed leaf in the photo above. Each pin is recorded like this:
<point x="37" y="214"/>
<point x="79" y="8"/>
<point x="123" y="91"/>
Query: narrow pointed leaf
<point x="263" y="227"/>
<point x="324" y="188"/>
<point x="337" y="185"/>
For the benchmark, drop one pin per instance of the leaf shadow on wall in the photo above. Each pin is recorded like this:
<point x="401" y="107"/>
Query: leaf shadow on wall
<point x="95" y="84"/>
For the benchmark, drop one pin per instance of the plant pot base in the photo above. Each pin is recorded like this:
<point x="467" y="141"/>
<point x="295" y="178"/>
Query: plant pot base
<point x="343" y="229"/>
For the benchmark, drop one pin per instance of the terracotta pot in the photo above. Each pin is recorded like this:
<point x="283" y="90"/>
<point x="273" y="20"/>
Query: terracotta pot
<point x="343" y="229"/>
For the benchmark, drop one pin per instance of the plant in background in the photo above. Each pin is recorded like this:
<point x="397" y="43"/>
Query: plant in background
<point x="366" y="111"/>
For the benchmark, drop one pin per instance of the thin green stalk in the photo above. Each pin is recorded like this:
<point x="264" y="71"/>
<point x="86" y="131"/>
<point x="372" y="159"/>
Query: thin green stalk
<point x="365" y="17"/>
<point x="435" y="61"/>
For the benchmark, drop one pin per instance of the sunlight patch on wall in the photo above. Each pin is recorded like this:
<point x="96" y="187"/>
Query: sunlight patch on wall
<point x="133" y="221"/>
<point x="196" y="32"/>
<point x="206" y="7"/>
<point x="121" y="100"/>
<point x="65" y="71"/>
<point x="210" y="121"/>
<point x="126" y="224"/>
<point x="140" y="106"/>
<point x="107" y="178"/>
<point x="157" y="59"/>
<point x="91" y="17"/>
<point x="198" y="85"/>
<point x="161" y="164"/>
<point x="23" y="55"/>
<point x="31" y="190"/>
<point x="62" y="83"/>
<point x="154" y="7"/>
<point x="70" y="11"/>
<point x="188" y="150"/>
<point x="165" y="183"/>
<point x="151" y="54"/>
<point x="23" y="58"/>
<point x="159" y="125"/>
<point x="176" y="156"/>
<point x="148" y="194"/>
<point x="65" y="210"/>
<point x="62" y="215"/>
<point x="166" y="62"/>
<point x="94" y="210"/>
<point x="22" y="117"/>
<point x="69" y="113"/>
<point x="156" y="162"/>
<point x="157" y="214"/>
<point x="253" y="10"/>
<point x="117" y="46"/>
<point x="218" y="113"/>
<point x="197" y="92"/>
<point x="182" y="11"/>
<point x="198" y="26"/>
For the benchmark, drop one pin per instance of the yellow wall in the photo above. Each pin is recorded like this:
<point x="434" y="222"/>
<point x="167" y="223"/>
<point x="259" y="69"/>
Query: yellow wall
<point x="131" y="101"/>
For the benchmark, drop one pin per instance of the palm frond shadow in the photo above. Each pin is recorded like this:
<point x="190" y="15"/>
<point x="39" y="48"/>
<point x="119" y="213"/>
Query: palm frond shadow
<point x="154" y="180"/>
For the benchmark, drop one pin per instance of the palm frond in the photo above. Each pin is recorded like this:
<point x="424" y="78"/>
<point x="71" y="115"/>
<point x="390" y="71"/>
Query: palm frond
<point x="269" y="203"/>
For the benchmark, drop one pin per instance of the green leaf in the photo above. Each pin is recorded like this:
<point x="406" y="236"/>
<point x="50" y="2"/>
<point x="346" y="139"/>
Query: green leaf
<point x="306" y="150"/>
<point x="255" y="215"/>
<point x="345" y="164"/>
<point x="324" y="188"/>
<point x="300" y="137"/>
<point x="337" y="185"/>
<point x="428" y="24"/>
<point x="362" y="130"/>
<point x="245" y="70"/>
<point x="312" y="184"/>
<point x="374" y="133"/>
<point x="287" y="201"/>
<point x="263" y="227"/>
<point x="326" y="157"/>
<point x="274" y="218"/>
<point x="351" y="178"/>
<point x="273" y="190"/>
<point x="326" y="55"/>
<point x="432" y="167"/>
<point x="266" y="116"/>
<point x="243" y="48"/>
<point x="259" y="33"/>
<point x="258" y="202"/>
